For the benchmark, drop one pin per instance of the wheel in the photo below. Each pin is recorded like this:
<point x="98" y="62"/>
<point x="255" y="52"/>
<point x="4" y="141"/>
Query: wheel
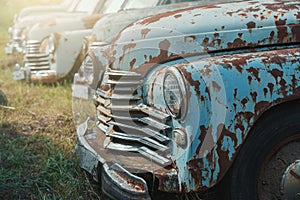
<point x="263" y="167"/>
<point x="3" y="99"/>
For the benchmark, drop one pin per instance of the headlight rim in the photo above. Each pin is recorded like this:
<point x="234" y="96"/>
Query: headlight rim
<point x="181" y="115"/>
<point x="97" y="75"/>
<point x="51" y="44"/>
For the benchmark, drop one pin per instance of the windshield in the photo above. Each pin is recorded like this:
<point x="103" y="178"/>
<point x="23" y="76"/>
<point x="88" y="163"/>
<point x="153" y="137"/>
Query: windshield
<point x="140" y="4"/>
<point x="112" y="6"/>
<point x="86" y="6"/>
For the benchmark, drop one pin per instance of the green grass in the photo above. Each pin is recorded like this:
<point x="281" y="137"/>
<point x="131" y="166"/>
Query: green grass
<point x="37" y="134"/>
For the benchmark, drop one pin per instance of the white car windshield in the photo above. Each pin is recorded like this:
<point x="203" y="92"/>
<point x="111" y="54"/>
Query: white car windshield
<point x="112" y="6"/>
<point x="86" y="6"/>
<point x="132" y="4"/>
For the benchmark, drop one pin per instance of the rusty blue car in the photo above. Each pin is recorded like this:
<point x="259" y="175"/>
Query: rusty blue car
<point x="203" y="99"/>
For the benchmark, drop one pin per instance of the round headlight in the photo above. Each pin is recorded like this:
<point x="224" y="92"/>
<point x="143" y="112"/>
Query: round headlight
<point x="175" y="93"/>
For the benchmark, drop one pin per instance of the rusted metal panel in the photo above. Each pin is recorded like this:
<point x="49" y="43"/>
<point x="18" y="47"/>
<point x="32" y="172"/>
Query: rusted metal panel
<point x="103" y="31"/>
<point x="230" y="30"/>
<point x="236" y="66"/>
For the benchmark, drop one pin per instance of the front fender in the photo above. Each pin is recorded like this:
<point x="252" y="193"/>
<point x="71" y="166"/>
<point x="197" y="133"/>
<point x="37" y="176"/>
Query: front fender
<point x="226" y="96"/>
<point x="67" y="51"/>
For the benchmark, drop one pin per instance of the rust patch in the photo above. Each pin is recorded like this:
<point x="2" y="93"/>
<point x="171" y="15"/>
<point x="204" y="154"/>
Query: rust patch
<point x="206" y="71"/>
<point x="237" y="43"/>
<point x="250" y="26"/>
<point x="261" y="106"/>
<point x="253" y="96"/>
<point x="244" y="101"/>
<point x="177" y="16"/>
<point x="252" y="9"/>
<point x="91" y="20"/>
<point x="132" y="63"/>
<point x="281" y="30"/>
<point x="160" y="16"/>
<point x="216" y="86"/>
<point x="255" y="72"/>
<point x="127" y="47"/>
<point x="265" y="92"/>
<point x="243" y="15"/>
<point x="249" y="80"/>
<point x="271" y="88"/>
<point x="50" y="22"/>
<point x="295" y="28"/>
<point x="281" y="5"/>
<point x="188" y="77"/>
<point x="276" y="74"/>
<point x="134" y="184"/>
<point x="205" y="41"/>
<point x="233" y="12"/>
<point x="235" y="93"/>
<point x="190" y="38"/>
<point x="210" y="6"/>
<point x="144" y="32"/>
<point x="271" y="37"/>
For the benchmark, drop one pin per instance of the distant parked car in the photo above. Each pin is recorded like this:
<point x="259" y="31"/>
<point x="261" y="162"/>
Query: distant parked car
<point x="58" y="57"/>
<point x="64" y="6"/>
<point x="37" y="42"/>
<point x="18" y="32"/>
<point x="200" y="99"/>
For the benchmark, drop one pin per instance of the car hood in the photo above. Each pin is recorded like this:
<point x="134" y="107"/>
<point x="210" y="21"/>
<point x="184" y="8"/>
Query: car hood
<point x="109" y="26"/>
<point x="205" y="29"/>
<point x="30" y="20"/>
<point x="42" y="29"/>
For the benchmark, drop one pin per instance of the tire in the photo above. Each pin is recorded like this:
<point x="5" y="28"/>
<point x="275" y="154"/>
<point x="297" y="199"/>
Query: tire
<point x="272" y="145"/>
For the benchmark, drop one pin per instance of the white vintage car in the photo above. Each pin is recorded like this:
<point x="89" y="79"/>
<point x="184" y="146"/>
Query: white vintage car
<point x="24" y="21"/>
<point x="58" y="56"/>
<point x="64" y="6"/>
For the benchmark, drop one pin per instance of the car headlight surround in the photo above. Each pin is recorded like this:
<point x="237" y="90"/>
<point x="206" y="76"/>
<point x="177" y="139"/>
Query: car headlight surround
<point x="85" y="46"/>
<point x="87" y="70"/>
<point x="174" y="92"/>
<point x="51" y="44"/>
<point x="44" y="45"/>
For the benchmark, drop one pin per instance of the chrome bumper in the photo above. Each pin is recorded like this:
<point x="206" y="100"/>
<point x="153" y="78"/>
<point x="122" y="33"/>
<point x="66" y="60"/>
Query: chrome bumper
<point x="13" y="47"/>
<point x="116" y="181"/>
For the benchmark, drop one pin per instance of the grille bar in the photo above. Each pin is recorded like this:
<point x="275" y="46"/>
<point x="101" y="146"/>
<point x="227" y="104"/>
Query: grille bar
<point x="34" y="59"/>
<point x="148" y="153"/>
<point x="144" y="140"/>
<point x="129" y="124"/>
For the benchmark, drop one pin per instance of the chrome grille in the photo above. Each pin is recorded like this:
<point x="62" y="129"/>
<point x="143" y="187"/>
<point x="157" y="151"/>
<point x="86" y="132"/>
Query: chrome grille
<point x="128" y="123"/>
<point x="35" y="60"/>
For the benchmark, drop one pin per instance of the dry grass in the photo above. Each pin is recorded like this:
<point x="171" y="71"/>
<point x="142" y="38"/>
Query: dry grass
<point x="37" y="135"/>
